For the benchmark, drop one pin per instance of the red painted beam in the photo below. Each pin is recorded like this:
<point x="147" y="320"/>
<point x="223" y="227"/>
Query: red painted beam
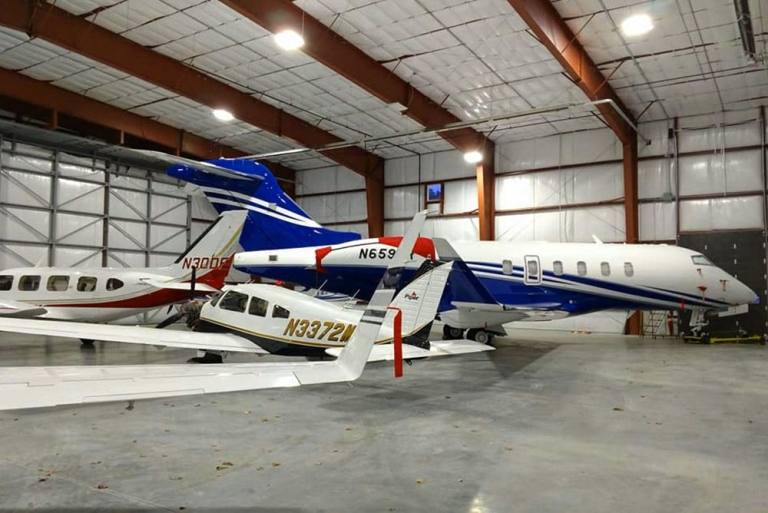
<point x="486" y="191"/>
<point x="57" y="26"/>
<point x="40" y="100"/>
<point x="546" y="23"/>
<point x="327" y="47"/>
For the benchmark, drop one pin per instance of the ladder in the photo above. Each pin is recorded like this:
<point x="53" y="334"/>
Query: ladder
<point x="654" y="323"/>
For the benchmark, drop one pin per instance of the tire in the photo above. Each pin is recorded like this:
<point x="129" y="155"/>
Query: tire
<point x="483" y="337"/>
<point x="451" y="333"/>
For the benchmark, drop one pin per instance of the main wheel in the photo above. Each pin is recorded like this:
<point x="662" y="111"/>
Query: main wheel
<point x="483" y="337"/>
<point x="451" y="333"/>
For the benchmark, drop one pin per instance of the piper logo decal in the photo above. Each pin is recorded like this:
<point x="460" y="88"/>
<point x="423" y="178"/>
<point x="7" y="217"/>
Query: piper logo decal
<point x="205" y="262"/>
<point x="412" y="296"/>
<point x="318" y="330"/>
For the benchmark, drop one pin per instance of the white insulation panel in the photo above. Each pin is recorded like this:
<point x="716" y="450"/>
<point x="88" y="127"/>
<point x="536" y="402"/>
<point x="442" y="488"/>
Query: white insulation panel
<point x="431" y="167"/>
<point x="336" y="208"/>
<point x="657" y="221"/>
<point x="20" y="188"/>
<point x="721" y="214"/>
<point x="567" y="225"/>
<point x="328" y="180"/>
<point x="80" y="196"/>
<point x="732" y="171"/>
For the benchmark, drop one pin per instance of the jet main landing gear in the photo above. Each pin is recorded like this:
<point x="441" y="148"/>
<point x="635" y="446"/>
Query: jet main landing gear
<point x="451" y="333"/>
<point x="480" y="335"/>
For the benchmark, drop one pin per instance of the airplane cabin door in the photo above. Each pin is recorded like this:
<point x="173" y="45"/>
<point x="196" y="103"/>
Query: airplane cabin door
<point x="532" y="270"/>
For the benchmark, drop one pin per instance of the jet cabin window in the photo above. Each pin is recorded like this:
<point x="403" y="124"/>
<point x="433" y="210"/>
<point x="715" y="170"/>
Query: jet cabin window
<point x="605" y="268"/>
<point x="29" y="283"/>
<point x="234" y="301"/>
<point x="86" y="284"/>
<point x="557" y="267"/>
<point x="701" y="260"/>
<point x="629" y="269"/>
<point x="58" y="283"/>
<point x="581" y="268"/>
<point x="6" y="282"/>
<point x="258" y="307"/>
<point x="114" y="284"/>
<point x="506" y="266"/>
<point x="280" y="312"/>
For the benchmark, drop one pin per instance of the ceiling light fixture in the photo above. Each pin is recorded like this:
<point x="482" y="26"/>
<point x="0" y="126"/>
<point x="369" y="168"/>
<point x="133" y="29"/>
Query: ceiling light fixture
<point x="637" y="25"/>
<point x="223" y="115"/>
<point x="473" y="157"/>
<point x="289" y="40"/>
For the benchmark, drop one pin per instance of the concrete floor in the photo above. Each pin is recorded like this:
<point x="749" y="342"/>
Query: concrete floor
<point x="548" y="422"/>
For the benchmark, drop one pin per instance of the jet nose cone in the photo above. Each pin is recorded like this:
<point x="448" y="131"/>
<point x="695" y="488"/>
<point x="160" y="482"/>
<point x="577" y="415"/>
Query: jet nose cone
<point x="746" y="296"/>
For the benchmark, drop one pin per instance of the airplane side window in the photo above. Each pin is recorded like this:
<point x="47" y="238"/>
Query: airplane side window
<point x="6" y="282"/>
<point x="605" y="269"/>
<point x="629" y="269"/>
<point x="234" y="301"/>
<point x="557" y="267"/>
<point x="258" y="307"/>
<point x="280" y="312"/>
<point x="581" y="268"/>
<point x="506" y="266"/>
<point x="29" y="283"/>
<point x="86" y="284"/>
<point x="114" y="284"/>
<point x="533" y="268"/>
<point x="58" y="283"/>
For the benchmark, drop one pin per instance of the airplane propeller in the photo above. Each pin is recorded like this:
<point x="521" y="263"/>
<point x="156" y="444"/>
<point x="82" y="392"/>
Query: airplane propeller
<point x="190" y="309"/>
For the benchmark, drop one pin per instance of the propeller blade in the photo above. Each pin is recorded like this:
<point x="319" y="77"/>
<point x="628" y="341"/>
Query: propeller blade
<point x="170" y="320"/>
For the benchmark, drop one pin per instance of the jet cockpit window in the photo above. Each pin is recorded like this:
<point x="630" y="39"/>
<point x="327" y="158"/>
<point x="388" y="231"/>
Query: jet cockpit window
<point x="234" y="301"/>
<point x="86" y="284"/>
<point x="29" y="283"/>
<point x="58" y="283"/>
<point x="280" y="312"/>
<point x="6" y="282"/>
<point x="629" y="269"/>
<point x="581" y="268"/>
<point x="114" y="284"/>
<point x="258" y="307"/>
<point x="701" y="260"/>
<point x="605" y="268"/>
<point x="557" y="267"/>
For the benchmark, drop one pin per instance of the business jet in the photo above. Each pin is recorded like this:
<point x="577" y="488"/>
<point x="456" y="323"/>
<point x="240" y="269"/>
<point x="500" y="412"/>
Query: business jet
<point x="108" y="294"/>
<point x="34" y="387"/>
<point x="527" y="281"/>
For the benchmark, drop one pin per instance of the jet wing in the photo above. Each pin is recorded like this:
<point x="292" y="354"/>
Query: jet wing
<point x="179" y="285"/>
<point x="386" y="352"/>
<point x="132" y="335"/>
<point x="9" y="308"/>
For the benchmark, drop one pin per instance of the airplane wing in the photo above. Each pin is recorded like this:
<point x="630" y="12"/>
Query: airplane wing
<point x="132" y="335"/>
<point x="178" y="285"/>
<point x="386" y="352"/>
<point x="9" y="308"/>
<point x="34" y="387"/>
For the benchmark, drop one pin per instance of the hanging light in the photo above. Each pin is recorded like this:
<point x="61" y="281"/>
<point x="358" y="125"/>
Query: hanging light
<point x="473" y="157"/>
<point x="289" y="39"/>
<point x="637" y="25"/>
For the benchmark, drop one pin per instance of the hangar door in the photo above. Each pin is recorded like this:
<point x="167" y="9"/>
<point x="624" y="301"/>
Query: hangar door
<point x="742" y="254"/>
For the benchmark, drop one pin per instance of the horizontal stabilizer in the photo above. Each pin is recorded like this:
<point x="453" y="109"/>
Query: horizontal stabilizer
<point x="199" y="165"/>
<point x="485" y="307"/>
<point x="386" y="352"/>
<point x="132" y="335"/>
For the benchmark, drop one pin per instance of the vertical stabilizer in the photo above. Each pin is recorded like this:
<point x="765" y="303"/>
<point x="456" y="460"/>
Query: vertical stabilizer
<point x="274" y="221"/>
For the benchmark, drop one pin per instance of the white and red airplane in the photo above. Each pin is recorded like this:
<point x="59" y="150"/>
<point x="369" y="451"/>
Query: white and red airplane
<point x="244" y="317"/>
<point x="107" y="294"/>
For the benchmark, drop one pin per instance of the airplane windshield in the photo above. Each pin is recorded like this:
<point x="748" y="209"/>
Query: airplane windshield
<point x="701" y="260"/>
<point x="6" y="282"/>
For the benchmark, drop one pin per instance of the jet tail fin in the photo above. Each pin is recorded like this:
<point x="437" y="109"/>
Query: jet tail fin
<point x="275" y="221"/>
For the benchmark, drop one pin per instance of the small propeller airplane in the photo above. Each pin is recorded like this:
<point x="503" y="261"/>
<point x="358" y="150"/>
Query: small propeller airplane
<point x="34" y="387"/>
<point x="108" y="294"/>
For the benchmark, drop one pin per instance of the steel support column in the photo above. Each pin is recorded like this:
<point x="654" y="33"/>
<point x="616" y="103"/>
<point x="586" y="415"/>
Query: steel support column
<point x="486" y="190"/>
<point x="57" y="26"/>
<point x="374" y="199"/>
